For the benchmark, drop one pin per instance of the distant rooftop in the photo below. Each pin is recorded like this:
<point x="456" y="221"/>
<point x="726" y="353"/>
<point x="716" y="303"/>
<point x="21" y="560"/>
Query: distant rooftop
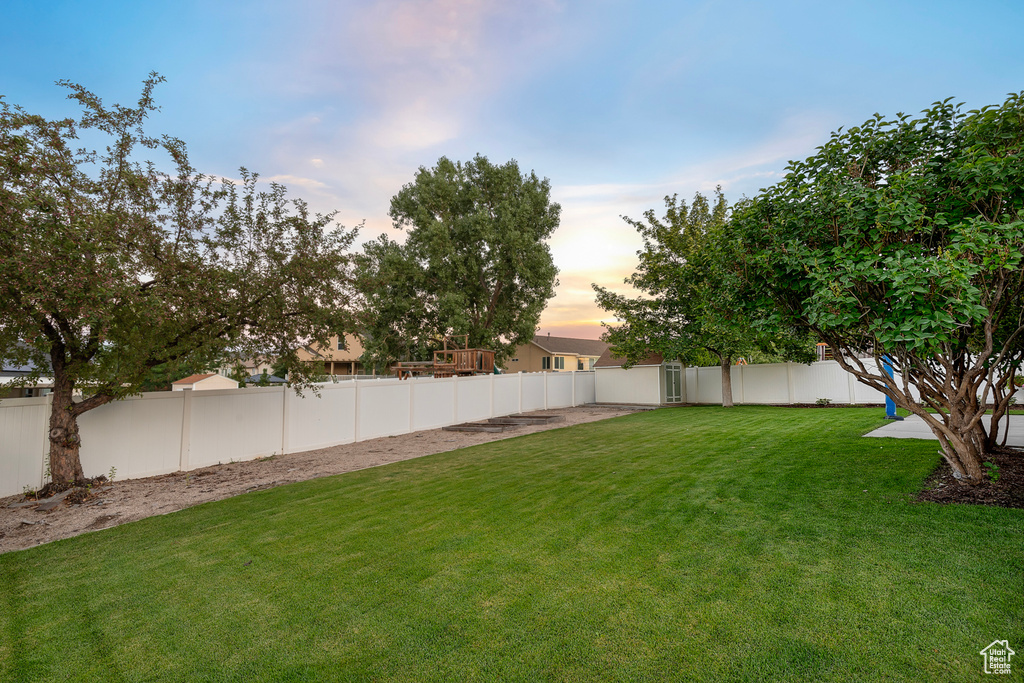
<point x="607" y="360"/>
<point x="581" y="347"/>
<point x="273" y="379"/>
<point x="192" y="379"/>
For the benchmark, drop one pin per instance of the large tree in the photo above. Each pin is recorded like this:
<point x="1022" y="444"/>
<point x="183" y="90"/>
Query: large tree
<point x="111" y="267"/>
<point x="475" y="261"/>
<point x="903" y="238"/>
<point x="690" y="305"/>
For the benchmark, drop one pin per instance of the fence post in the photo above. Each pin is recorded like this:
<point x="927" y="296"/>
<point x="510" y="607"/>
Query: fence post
<point x="186" y="431"/>
<point x="520" y="411"/>
<point x="412" y="403"/>
<point x="790" y="386"/>
<point x="492" y="378"/>
<point x="455" y="400"/>
<point x="573" y="388"/>
<point x="853" y="389"/>
<point x="355" y="413"/>
<point x="742" y="393"/>
<point x="284" y="418"/>
<point x="546" y="390"/>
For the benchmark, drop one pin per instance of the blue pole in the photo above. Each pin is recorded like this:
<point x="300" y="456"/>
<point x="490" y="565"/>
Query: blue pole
<point x="890" y="405"/>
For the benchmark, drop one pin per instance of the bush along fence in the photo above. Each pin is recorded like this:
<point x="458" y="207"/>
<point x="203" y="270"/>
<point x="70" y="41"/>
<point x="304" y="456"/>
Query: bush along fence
<point x="164" y="432"/>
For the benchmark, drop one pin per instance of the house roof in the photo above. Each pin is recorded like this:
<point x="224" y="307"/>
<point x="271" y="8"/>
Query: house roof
<point x="192" y="379"/>
<point x="273" y="379"/>
<point x="15" y="369"/>
<point x="607" y="360"/>
<point x="11" y="368"/>
<point x="569" y="345"/>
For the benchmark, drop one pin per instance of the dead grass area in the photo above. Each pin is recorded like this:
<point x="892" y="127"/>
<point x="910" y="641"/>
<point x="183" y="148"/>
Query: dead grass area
<point x="23" y="524"/>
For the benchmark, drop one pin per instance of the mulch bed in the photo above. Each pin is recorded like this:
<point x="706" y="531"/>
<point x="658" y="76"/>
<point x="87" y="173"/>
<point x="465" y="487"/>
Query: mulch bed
<point x="1007" y="491"/>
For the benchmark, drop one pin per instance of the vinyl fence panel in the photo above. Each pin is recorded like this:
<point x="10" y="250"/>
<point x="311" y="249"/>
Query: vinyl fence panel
<point x="636" y="385"/>
<point x="474" y="398"/>
<point x="709" y="385"/>
<point x="139" y="436"/>
<point x="506" y="395"/>
<point x="586" y="387"/>
<point x="235" y="424"/>
<point x="383" y="408"/>
<point x="560" y="389"/>
<point x="432" y="402"/>
<point x="767" y="383"/>
<point x="534" y="384"/>
<point x="23" y="443"/>
<point x="319" y="422"/>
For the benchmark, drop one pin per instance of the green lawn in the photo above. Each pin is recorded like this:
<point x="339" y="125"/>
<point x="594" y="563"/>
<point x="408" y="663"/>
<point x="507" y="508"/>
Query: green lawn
<point x="682" y="544"/>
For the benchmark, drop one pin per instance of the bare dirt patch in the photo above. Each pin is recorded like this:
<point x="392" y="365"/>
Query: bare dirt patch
<point x="1006" y="490"/>
<point x="23" y="525"/>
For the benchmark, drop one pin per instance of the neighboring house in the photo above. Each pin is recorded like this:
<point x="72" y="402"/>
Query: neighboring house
<point x="249" y="366"/>
<point x="339" y="357"/>
<point x="556" y="354"/>
<point x="204" y="382"/>
<point x="650" y="381"/>
<point x="10" y="373"/>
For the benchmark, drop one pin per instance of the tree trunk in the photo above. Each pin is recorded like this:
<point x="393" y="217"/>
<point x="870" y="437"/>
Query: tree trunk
<point x="65" y="464"/>
<point x="957" y="423"/>
<point x="965" y="448"/>
<point x="726" y="381"/>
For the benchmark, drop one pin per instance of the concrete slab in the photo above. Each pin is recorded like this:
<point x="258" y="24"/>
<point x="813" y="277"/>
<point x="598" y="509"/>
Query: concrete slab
<point x="913" y="427"/>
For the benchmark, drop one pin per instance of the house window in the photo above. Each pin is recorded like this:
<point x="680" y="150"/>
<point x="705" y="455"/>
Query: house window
<point x="559" y="363"/>
<point x="545" y="363"/>
<point x="341" y="343"/>
<point x="579" y="363"/>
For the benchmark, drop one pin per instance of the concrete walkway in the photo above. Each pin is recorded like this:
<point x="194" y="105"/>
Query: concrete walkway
<point x="913" y="427"/>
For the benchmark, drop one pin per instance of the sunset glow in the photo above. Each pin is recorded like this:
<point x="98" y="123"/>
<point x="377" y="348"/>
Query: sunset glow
<point x="617" y="103"/>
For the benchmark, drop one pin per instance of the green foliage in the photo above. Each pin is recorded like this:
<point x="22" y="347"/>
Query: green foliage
<point x="475" y="262"/>
<point x="905" y="237"/>
<point x="160" y="377"/>
<point x="691" y="304"/>
<point x="239" y="374"/>
<point x="281" y="367"/>
<point x="117" y="272"/>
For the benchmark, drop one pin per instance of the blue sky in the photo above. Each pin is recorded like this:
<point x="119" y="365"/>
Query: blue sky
<point x="618" y="103"/>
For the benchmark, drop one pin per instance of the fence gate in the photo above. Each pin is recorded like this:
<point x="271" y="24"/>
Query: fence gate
<point x="673" y="384"/>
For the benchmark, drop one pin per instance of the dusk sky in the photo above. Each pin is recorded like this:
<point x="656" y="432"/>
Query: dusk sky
<point x="617" y="103"/>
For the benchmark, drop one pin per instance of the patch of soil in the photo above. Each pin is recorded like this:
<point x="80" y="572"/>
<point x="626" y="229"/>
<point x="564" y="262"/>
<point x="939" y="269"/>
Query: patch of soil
<point x="1007" y="491"/>
<point x="82" y="488"/>
<point x="30" y="521"/>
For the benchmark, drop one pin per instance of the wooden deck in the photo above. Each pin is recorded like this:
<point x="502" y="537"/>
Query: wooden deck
<point x="449" y="363"/>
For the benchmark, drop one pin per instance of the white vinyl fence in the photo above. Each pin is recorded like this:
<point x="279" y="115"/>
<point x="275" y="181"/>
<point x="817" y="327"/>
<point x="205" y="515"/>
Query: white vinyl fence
<point x="164" y="432"/>
<point x="782" y="383"/>
<point x="769" y="383"/>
